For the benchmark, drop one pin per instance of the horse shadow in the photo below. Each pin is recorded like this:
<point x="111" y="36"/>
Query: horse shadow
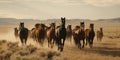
<point x="106" y="51"/>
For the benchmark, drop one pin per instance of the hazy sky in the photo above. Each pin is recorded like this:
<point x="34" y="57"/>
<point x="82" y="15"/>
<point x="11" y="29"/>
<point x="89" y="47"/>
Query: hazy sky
<point x="48" y="9"/>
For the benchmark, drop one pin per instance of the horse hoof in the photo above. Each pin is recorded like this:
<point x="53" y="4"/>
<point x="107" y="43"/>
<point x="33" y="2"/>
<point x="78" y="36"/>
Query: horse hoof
<point x="51" y="46"/>
<point x="91" y="46"/>
<point x="82" y="46"/>
<point x="61" y="49"/>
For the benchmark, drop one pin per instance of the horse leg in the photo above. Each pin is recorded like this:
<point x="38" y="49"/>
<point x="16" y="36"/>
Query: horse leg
<point x="25" y="41"/>
<point x="79" y="44"/>
<point x="90" y="42"/>
<point x="83" y="43"/>
<point x="52" y="43"/>
<point x="71" y="40"/>
<point x="42" y="42"/>
<point x="86" y="41"/>
<point x="59" y="43"/>
<point x="62" y="45"/>
<point x="21" y="39"/>
<point x="48" y="42"/>
<point x="39" y="41"/>
<point x="63" y="42"/>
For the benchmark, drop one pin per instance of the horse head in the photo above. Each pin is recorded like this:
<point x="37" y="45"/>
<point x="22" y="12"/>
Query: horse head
<point x="91" y="26"/>
<point x="63" y="21"/>
<point x="21" y="25"/>
<point x="82" y="24"/>
<point x="37" y="25"/>
<point x="52" y="25"/>
<point x="101" y="29"/>
<point x="69" y="27"/>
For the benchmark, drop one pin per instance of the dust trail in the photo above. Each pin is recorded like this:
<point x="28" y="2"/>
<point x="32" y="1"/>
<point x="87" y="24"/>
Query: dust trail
<point x="8" y="36"/>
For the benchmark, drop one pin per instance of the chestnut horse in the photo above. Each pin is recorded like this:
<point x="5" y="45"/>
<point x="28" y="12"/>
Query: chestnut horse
<point x="40" y="33"/>
<point x="100" y="34"/>
<point x="50" y="33"/>
<point x="33" y="35"/>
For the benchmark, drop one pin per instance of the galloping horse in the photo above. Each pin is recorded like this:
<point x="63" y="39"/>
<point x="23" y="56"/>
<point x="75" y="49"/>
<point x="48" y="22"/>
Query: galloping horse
<point x="100" y="34"/>
<point x="23" y="34"/>
<point x="69" y="33"/>
<point x="78" y="35"/>
<point x="33" y="35"/>
<point x="40" y="33"/>
<point x="90" y="34"/>
<point x="61" y="35"/>
<point x="51" y="35"/>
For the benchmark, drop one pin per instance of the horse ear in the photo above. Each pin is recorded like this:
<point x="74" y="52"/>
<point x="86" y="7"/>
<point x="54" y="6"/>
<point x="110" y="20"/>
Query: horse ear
<point x="64" y="18"/>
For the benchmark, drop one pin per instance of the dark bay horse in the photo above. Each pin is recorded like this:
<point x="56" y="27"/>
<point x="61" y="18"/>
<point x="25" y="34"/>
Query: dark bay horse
<point x="40" y="33"/>
<point x="69" y="33"/>
<point x="23" y="34"/>
<point x="61" y="35"/>
<point x="78" y="36"/>
<point x="50" y="33"/>
<point x="89" y="35"/>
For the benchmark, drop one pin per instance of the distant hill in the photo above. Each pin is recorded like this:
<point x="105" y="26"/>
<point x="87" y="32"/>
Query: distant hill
<point x="34" y="21"/>
<point x="112" y="19"/>
<point x="16" y="21"/>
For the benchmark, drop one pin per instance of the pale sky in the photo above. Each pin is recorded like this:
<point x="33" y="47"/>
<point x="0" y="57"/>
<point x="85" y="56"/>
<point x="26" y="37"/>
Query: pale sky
<point x="49" y="9"/>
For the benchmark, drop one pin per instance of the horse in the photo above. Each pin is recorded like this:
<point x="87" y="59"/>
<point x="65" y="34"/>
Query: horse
<point x="40" y="34"/>
<point x="89" y="35"/>
<point x="61" y="35"/>
<point x="23" y="34"/>
<point x="78" y="36"/>
<point x="100" y="34"/>
<point x="33" y="35"/>
<point x="50" y="34"/>
<point x="69" y="33"/>
<point x="16" y="32"/>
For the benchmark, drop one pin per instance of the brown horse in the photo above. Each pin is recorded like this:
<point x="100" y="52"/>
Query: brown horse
<point x="69" y="33"/>
<point x="16" y="32"/>
<point x="100" y="34"/>
<point x="33" y="35"/>
<point x="40" y="33"/>
<point x="78" y="35"/>
<point x="89" y="35"/>
<point x="51" y="35"/>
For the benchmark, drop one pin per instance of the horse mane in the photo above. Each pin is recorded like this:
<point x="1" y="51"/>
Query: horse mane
<point x="77" y="29"/>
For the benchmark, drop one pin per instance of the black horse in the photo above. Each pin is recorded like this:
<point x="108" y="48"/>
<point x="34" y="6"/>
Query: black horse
<point x="23" y="34"/>
<point x="61" y="35"/>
